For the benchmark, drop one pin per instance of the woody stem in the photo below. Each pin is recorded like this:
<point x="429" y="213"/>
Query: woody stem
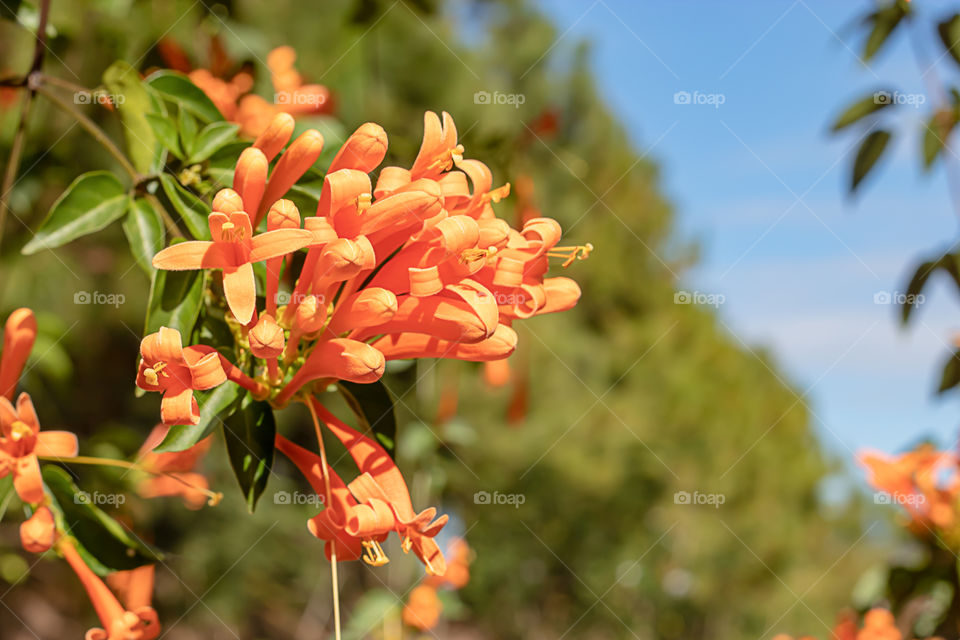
<point x="329" y="502"/>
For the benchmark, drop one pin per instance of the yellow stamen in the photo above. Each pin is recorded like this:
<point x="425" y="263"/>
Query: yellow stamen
<point x="19" y="430"/>
<point x="498" y="194"/>
<point x="151" y="374"/>
<point x="579" y="252"/>
<point x="364" y="200"/>
<point x="471" y="255"/>
<point x="407" y="544"/>
<point x="373" y="553"/>
<point x="446" y="159"/>
<point x="229" y="232"/>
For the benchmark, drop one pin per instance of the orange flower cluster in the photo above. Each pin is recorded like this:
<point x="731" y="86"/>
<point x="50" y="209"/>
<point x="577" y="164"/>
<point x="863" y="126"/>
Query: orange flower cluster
<point x="925" y="482"/>
<point x="417" y="266"/>
<point x="22" y="443"/>
<point x="252" y="112"/>
<point x="878" y="624"/>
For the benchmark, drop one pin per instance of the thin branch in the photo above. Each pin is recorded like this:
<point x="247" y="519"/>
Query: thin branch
<point x="93" y="129"/>
<point x="16" y="150"/>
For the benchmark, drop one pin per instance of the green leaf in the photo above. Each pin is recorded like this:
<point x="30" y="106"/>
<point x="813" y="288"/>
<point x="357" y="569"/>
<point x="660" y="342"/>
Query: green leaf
<point x="935" y="134"/>
<point x="868" y="154"/>
<point x="947" y="263"/>
<point x="177" y="88"/>
<point x="9" y="9"/>
<point x="249" y="434"/>
<point x="89" y="204"/>
<point x="862" y="108"/>
<point x="187" y="125"/>
<point x="192" y="210"/>
<point x="129" y="95"/>
<point x="216" y="405"/>
<point x="175" y="301"/>
<point x="951" y="373"/>
<point x="166" y="132"/>
<point x="213" y="136"/>
<point x="949" y="31"/>
<point x="373" y="405"/>
<point x="144" y="230"/>
<point x="884" y="22"/>
<point x="102" y="538"/>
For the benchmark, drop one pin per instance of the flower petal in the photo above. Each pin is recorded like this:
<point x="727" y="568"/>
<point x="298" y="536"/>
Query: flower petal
<point x="27" y="479"/>
<point x="194" y="254"/>
<point x="278" y="243"/>
<point x="240" y="288"/>
<point x="179" y="407"/>
<point x="57" y="444"/>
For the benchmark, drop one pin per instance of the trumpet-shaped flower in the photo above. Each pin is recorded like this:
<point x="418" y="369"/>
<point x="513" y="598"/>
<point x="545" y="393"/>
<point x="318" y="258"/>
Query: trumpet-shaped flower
<point x="22" y="441"/>
<point x="234" y="249"/>
<point x="177" y="371"/>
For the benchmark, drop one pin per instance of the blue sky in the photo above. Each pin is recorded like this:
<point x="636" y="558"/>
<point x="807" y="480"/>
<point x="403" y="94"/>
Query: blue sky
<point x="760" y="184"/>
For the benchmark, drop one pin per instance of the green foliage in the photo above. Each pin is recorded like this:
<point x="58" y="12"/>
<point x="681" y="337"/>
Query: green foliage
<point x="868" y="154"/>
<point x="144" y="230"/>
<point x="861" y="109"/>
<point x="177" y="88"/>
<point x="89" y="204"/>
<point x="133" y="104"/>
<point x="105" y="544"/>
<point x="216" y="406"/>
<point x="249" y="434"/>
<point x="373" y="406"/>
<point x="175" y="301"/>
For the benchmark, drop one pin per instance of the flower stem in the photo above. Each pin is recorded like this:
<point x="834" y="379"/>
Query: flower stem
<point x="214" y="496"/>
<point x="329" y="502"/>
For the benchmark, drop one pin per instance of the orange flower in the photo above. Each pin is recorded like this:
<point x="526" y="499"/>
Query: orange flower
<point x="21" y="441"/>
<point x="18" y="337"/>
<point x="423" y="608"/>
<point x="234" y="249"/>
<point x="175" y="469"/>
<point x="382" y="485"/>
<point x="458" y="566"/>
<point x="915" y="481"/>
<point x="177" y="371"/>
<point x="138" y="623"/>
<point x="38" y="532"/>
<point x="330" y="524"/>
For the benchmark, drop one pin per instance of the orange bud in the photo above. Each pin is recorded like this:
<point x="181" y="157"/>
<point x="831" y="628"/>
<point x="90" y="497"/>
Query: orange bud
<point x="266" y="338"/>
<point x="294" y="162"/>
<point x="18" y="337"/>
<point x="364" y="149"/>
<point x="38" y="532"/>
<point x="227" y="201"/>
<point x="276" y="135"/>
<point x="283" y="214"/>
<point x="250" y="178"/>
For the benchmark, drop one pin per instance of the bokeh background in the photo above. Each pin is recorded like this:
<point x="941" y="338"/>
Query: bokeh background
<point x="758" y="386"/>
